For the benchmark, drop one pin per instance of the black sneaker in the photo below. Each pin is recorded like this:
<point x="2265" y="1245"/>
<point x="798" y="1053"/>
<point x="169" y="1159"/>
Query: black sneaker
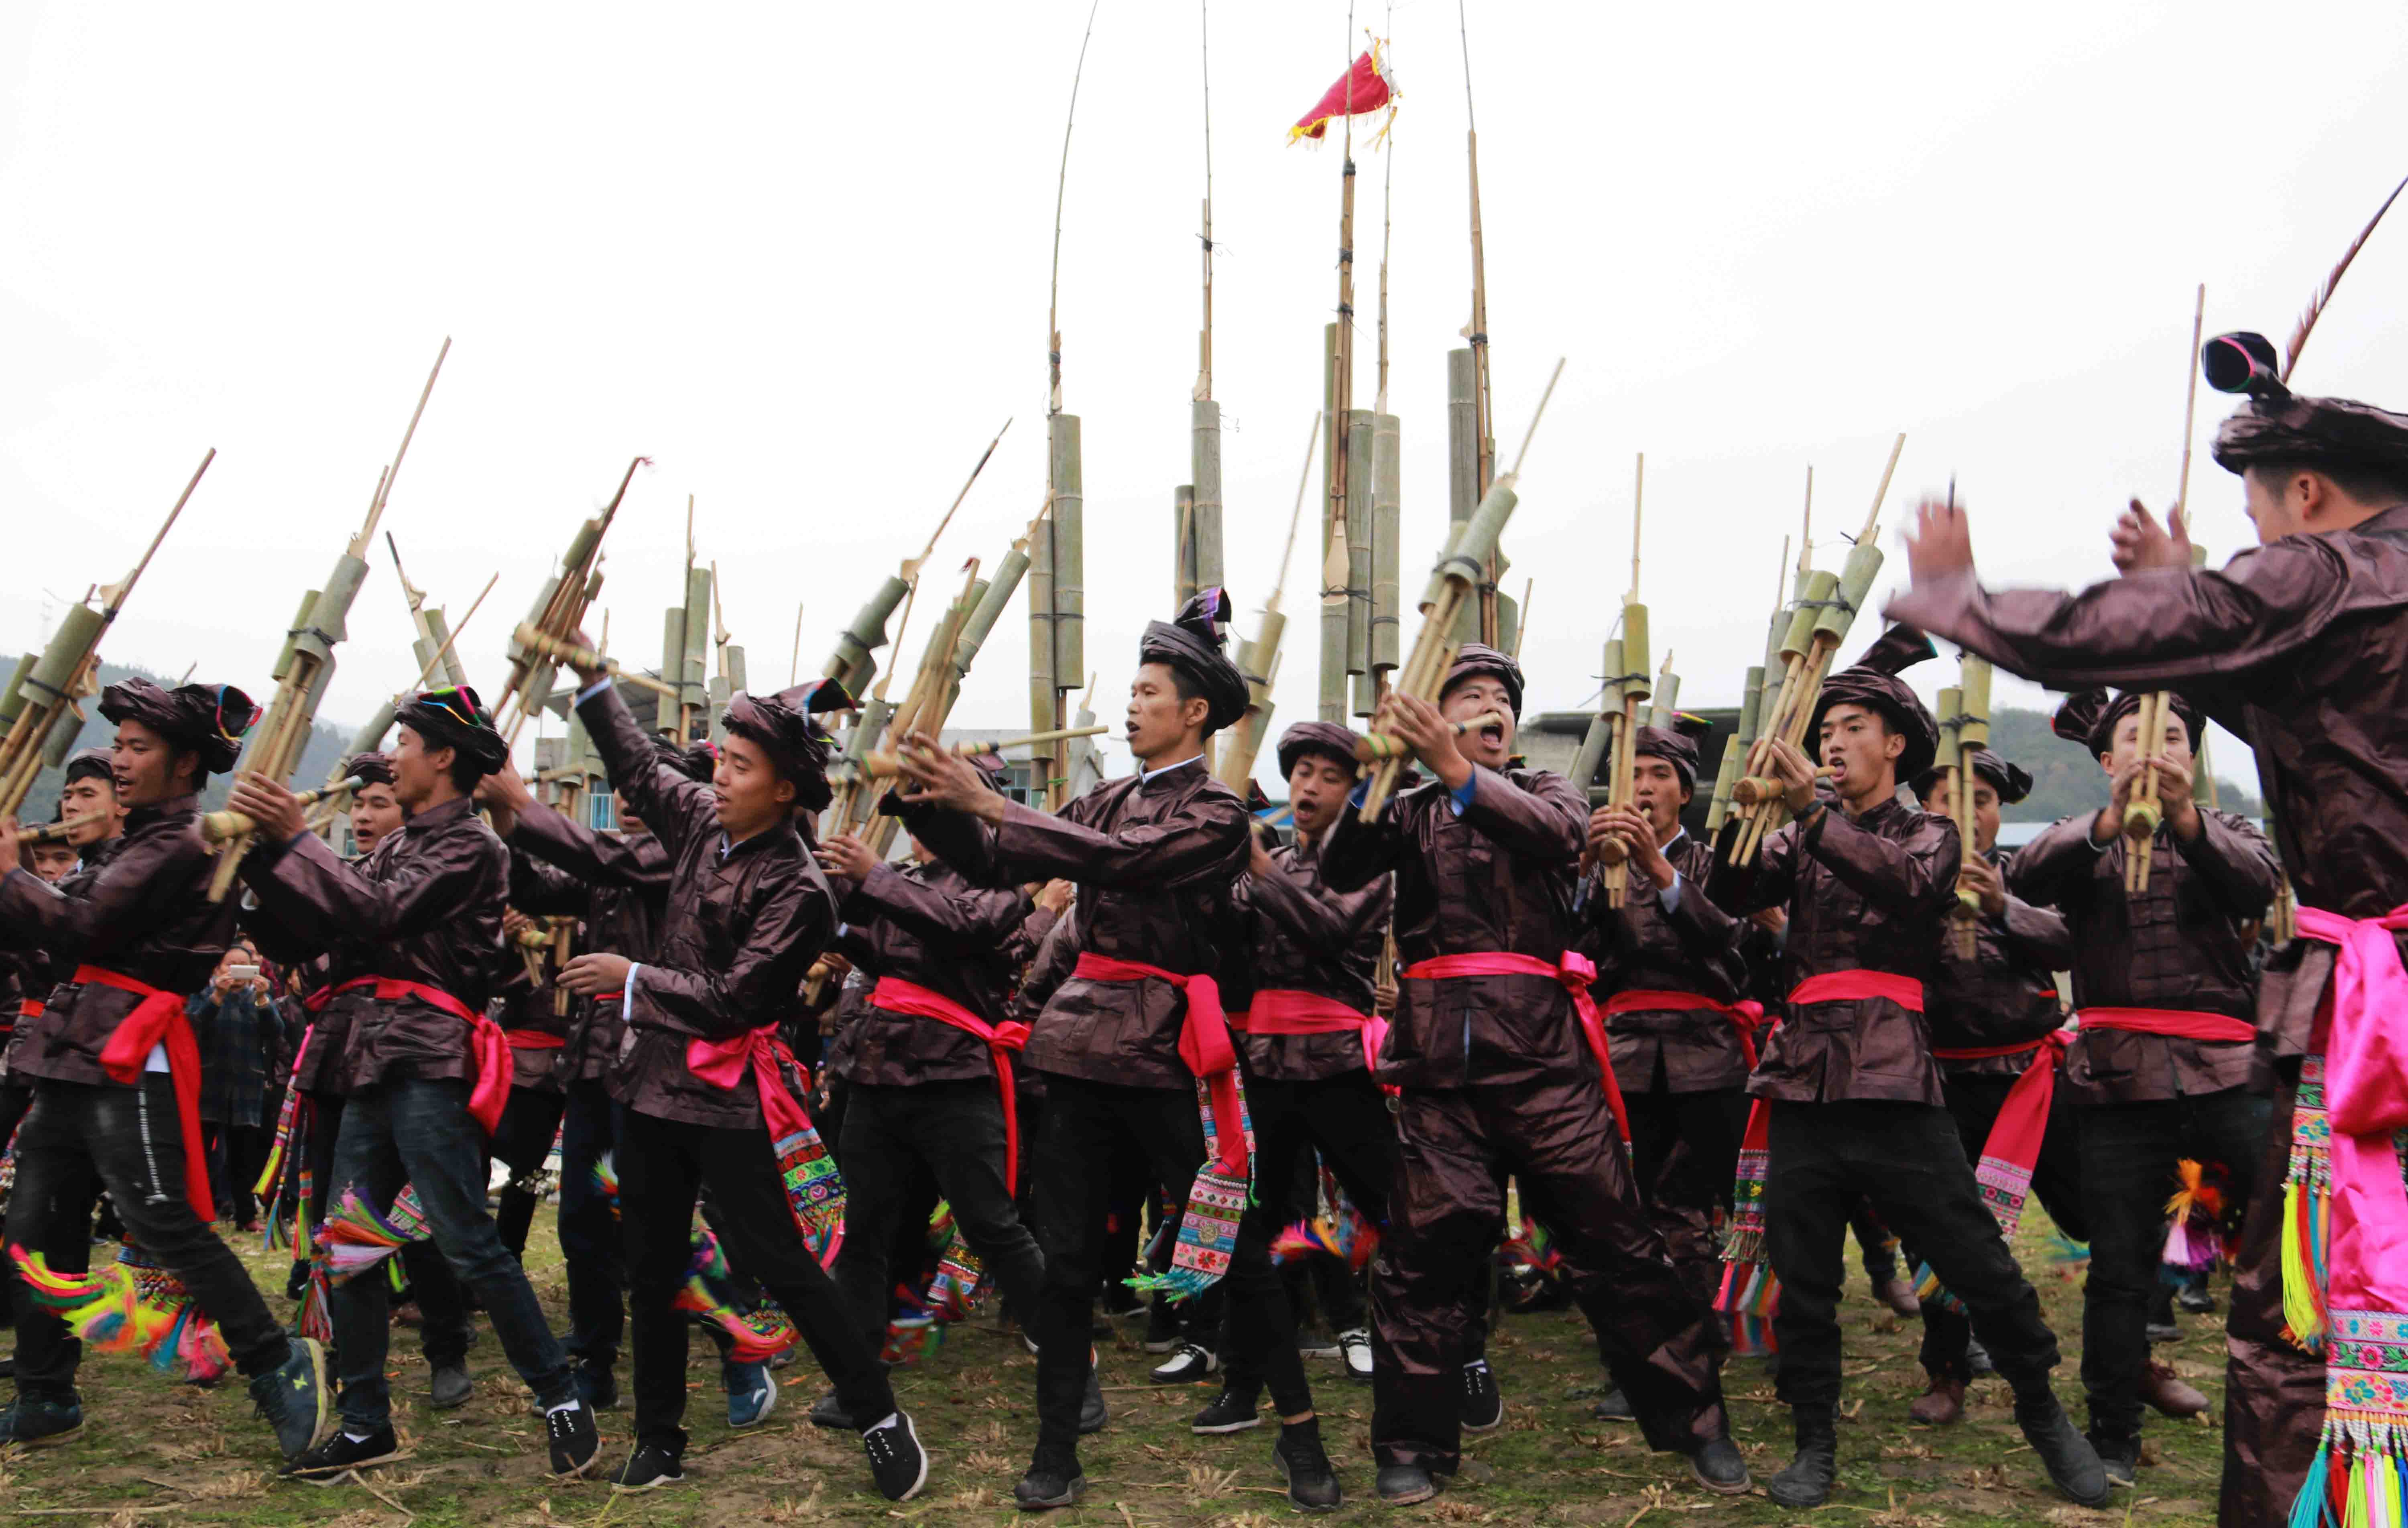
<point x="1483" y="1405"/>
<point x="33" y="1424"/>
<point x="1304" y="1464"/>
<point x="574" y="1443"/>
<point x="2195" y="1298"/>
<point x="1315" y="1345"/>
<point x="295" y="1398"/>
<point x="341" y="1454"/>
<point x="1616" y="1407"/>
<point x="1234" y="1410"/>
<point x="895" y="1458"/>
<point x="452" y="1388"/>
<point x="2162" y="1332"/>
<point x="829" y="1412"/>
<point x="648" y="1467"/>
<point x="1190" y="1363"/>
<point x="1163" y="1324"/>
<point x="597" y="1388"/>
<point x="2120" y="1458"/>
<point x="1053" y="1479"/>
<point x="1402" y="1485"/>
<point x="2073" y="1465"/>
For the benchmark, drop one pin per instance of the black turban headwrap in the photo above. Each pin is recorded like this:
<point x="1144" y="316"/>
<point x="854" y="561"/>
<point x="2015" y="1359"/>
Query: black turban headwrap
<point x="2011" y="781"/>
<point x="369" y="768"/>
<point x="453" y="717"/>
<point x="90" y="764"/>
<point x="1192" y="643"/>
<point x="1475" y="660"/>
<point x="2276" y="425"/>
<point x="695" y="761"/>
<point x="1327" y="739"/>
<point x="1676" y="745"/>
<point x="2087" y="716"/>
<point x="1873" y="683"/>
<point x="781" y="725"/>
<point x="208" y="719"/>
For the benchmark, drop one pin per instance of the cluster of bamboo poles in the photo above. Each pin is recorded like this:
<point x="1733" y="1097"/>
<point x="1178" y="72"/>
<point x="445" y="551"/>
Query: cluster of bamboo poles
<point x="1965" y="731"/>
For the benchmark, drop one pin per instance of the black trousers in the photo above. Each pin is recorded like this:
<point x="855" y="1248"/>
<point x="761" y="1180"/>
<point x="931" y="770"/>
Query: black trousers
<point x="590" y="1243"/>
<point x="1446" y="1212"/>
<point x="1907" y="1160"/>
<point x="664" y="1167"/>
<point x="521" y="1142"/>
<point x="1973" y="1103"/>
<point x="1090" y="1127"/>
<point x="2127" y="1153"/>
<point x="235" y="1154"/>
<point x="442" y="1299"/>
<point x="1684" y="1153"/>
<point x="132" y="1140"/>
<point x="955" y="1131"/>
<point x="1344" y="1120"/>
<point x="15" y="1099"/>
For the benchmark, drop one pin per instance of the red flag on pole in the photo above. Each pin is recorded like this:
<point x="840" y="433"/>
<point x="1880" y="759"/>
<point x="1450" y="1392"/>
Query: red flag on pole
<point x="1364" y="88"/>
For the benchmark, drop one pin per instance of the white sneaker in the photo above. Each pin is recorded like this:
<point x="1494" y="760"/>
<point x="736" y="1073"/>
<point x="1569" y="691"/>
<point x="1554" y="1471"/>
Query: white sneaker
<point x="1356" y="1349"/>
<point x="1189" y="1362"/>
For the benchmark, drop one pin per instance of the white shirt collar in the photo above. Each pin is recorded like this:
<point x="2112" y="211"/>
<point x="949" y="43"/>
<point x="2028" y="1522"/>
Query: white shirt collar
<point x="1144" y="774"/>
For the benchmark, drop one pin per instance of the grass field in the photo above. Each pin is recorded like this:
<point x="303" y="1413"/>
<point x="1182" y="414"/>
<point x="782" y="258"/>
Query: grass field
<point x="155" y="1453"/>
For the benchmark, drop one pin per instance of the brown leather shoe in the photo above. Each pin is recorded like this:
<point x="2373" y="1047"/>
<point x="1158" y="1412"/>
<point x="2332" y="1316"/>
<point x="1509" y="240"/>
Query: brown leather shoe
<point x="2166" y="1390"/>
<point x="1897" y="1293"/>
<point x="1944" y="1403"/>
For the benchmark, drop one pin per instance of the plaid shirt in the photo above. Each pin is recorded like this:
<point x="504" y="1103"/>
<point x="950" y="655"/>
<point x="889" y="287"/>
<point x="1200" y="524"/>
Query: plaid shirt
<point x="240" y="1040"/>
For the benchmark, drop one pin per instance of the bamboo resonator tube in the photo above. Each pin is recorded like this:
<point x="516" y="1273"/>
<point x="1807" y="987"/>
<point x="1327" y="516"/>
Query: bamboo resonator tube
<point x="884" y="765"/>
<point x="219" y="827"/>
<point x="1757" y="790"/>
<point x="58" y="833"/>
<point x="1965" y="722"/>
<point x="562" y="650"/>
<point x="1372" y="747"/>
<point x="2144" y="812"/>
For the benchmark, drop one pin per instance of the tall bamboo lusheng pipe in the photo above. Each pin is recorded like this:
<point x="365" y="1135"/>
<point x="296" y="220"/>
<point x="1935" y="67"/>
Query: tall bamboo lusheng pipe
<point x="1633" y="688"/>
<point x="1258" y="660"/>
<point x="560" y="651"/>
<point x="1454" y="583"/>
<point x="2143" y="809"/>
<point x="306" y="662"/>
<point x="1815" y="632"/>
<point x="1484" y="411"/>
<point x="43" y="691"/>
<point x="217" y="827"/>
<point x="1359" y="447"/>
<point x="433" y="638"/>
<point x="1742" y="742"/>
<point x="559" y="611"/>
<point x="1964" y="717"/>
<point x="1198" y="503"/>
<point x="370" y="738"/>
<point x="1758" y="790"/>
<point x="921" y="709"/>
<point x="886" y="765"/>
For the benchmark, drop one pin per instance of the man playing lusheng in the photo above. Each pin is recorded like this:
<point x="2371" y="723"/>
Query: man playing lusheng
<point x="2296" y="644"/>
<point x="1125" y="1041"/>
<point x="1853" y="1098"/>
<point x="1503" y="1068"/>
<point x="423" y="1072"/>
<point x="116" y="1072"/>
<point x="1682" y="1041"/>
<point x="700" y="1073"/>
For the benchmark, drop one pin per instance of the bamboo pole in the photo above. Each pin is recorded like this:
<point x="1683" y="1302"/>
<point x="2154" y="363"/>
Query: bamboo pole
<point x="576" y="656"/>
<point x="1633" y="688"/>
<point x="1258" y="660"/>
<point x="886" y="766"/>
<point x="1359" y="559"/>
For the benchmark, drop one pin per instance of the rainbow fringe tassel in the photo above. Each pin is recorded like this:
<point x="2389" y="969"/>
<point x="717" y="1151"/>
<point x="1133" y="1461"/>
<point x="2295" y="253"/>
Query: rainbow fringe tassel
<point x="954" y="1288"/>
<point x="355" y="1238"/>
<point x="132" y="1306"/>
<point x="753" y="1337"/>
<point x="2307" y="1202"/>
<point x="1216" y="1201"/>
<point x="1343" y="1234"/>
<point x="2359" y="1476"/>
<point x="814" y="1192"/>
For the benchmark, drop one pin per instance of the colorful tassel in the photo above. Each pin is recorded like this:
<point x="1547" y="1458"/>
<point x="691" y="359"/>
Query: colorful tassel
<point x="1207" y="1231"/>
<point x="912" y="1338"/>
<point x="754" y="1337"/>
<point x="355" y="1238"/>
<point x="133" y="1305"/>
<point x="2307" y="1190"/>
<point x="814" y="1192"/>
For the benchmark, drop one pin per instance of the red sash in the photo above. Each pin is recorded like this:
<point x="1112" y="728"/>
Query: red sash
<point x="1858" y="987"/>
<point x="533" y="1039"/>
<point x="1286" y="1010"/>
<point x="489" y="1051"/>
<point x="159" y="1020"/>
<point x="896" y="996"/>
<point x="1204" y="1047"/>
<point x="29" y="1007"/>
<point x="724" y="1063"/>
<point x="2179" y="1024"/>
<point x="1987" y="1052"/>
<point x="1572" y="970"/>
<point x="1747" y="1017"/>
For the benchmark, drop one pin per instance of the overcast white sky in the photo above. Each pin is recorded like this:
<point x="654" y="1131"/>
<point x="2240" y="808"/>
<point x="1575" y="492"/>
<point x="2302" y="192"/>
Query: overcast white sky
<point x="798" y="255"/>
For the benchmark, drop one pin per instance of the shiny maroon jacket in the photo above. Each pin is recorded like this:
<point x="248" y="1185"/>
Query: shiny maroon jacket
<point x="924" y="924"/>
<point x="1872" y="894"/>
<point x="1639" y="947"/>
<point x="1496" y="879"/>
<point x="1304" y="936"/>
<point x="1154" y="858"/>
<point x="619" y="884"/>
<point x="2006" y="994"/>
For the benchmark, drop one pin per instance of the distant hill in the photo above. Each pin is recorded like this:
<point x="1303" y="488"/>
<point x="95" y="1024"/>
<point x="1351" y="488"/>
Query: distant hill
<point x="325" y="750"/>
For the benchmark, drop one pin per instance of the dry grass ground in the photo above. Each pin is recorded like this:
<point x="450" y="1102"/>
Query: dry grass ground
<point x="158" y="1454"/>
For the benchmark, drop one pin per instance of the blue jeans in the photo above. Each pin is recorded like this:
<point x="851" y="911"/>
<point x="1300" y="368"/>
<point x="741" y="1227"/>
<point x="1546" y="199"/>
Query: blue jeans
<point x="419" y="1133"/>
